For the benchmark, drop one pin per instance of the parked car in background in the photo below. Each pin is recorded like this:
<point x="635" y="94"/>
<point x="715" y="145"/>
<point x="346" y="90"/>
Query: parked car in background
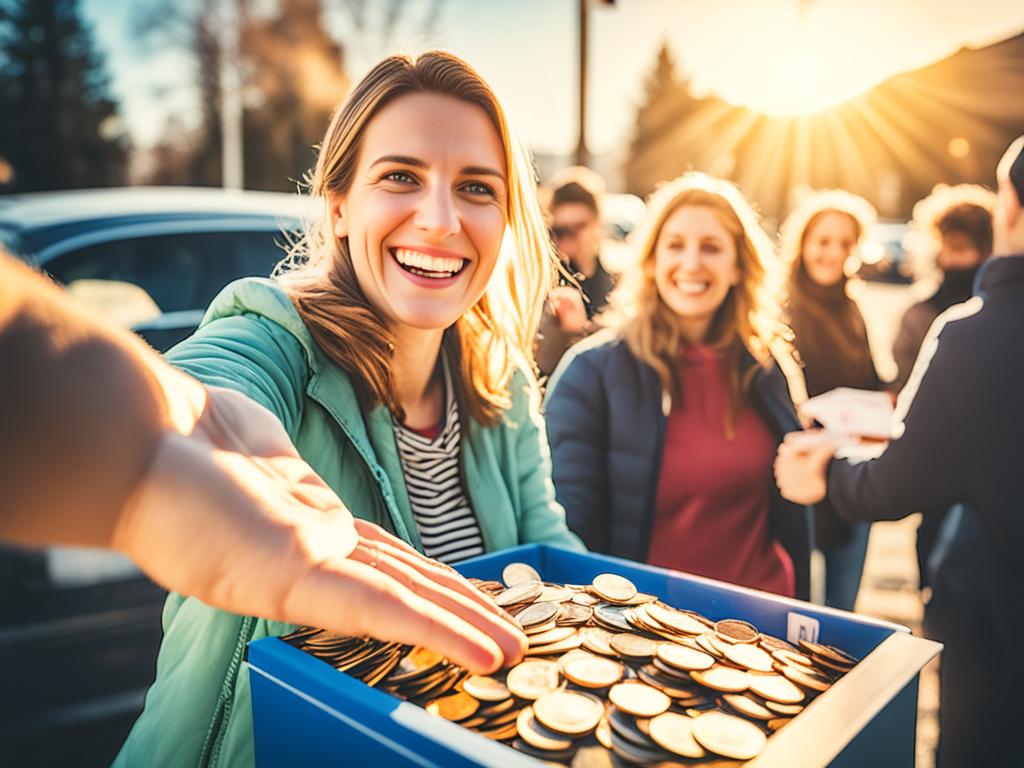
<point x="153" y="257"/>
<point x="79" y="629"/>
<point x="621" y="213"/>
<point x="885" y="255"/>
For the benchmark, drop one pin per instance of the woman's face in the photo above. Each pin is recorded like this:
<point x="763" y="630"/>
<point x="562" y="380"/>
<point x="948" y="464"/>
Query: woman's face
<point x="828" y="243"/>
<point x="425" y="213"/>
<point x="695" y="265"/>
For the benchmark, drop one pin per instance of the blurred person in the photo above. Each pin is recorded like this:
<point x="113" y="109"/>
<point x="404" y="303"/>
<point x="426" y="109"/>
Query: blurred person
<point x="960" y="419"/>
<point x="954" y="223"/>
<point x="395" y="348"/>
<point x="820" y="240"/>
<point x="105" y="445"/>
<point x="574" y="207"/>
<point x="663" y="426"/>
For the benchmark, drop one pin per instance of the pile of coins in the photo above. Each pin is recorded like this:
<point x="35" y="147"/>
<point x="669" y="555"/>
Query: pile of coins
<point x="612" y="675"/>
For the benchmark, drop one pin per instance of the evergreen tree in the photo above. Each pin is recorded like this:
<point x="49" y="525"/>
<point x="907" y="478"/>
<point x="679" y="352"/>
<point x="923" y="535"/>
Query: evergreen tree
<point x="60" y="127"/>
<point x="655" y="153"/>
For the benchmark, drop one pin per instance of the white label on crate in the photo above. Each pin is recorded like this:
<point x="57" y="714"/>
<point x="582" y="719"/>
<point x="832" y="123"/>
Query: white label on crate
<point x="800" y="627"/>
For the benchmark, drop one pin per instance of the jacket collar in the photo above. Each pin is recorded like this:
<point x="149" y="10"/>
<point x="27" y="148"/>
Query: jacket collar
<point x="998" y="270"/>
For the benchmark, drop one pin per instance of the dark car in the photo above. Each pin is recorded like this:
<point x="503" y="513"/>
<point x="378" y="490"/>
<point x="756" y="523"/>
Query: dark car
<point x="79" y="629"/>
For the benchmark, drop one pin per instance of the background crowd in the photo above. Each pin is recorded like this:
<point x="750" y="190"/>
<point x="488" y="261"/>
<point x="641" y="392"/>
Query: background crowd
<point x="462" y="361"/>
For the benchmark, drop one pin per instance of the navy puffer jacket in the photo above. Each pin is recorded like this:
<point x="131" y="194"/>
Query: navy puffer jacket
<point x="606" y="413"/>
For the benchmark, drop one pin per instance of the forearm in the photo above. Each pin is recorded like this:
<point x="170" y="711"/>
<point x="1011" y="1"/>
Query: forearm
<point x="83" y="414"/>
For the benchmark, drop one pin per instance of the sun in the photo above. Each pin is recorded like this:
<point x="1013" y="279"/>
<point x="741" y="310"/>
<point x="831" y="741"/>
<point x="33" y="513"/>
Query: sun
<point x="799" y="81"/>
<point x="798" y="67"/>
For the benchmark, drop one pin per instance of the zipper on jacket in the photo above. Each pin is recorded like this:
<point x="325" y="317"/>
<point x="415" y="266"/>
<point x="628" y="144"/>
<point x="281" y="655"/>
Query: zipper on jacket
<point x="649" y="505"/>
<point x="222" y="713"/>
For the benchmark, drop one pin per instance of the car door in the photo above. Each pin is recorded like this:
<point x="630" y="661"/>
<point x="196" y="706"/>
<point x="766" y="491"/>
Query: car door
<point x="159" y="284"/>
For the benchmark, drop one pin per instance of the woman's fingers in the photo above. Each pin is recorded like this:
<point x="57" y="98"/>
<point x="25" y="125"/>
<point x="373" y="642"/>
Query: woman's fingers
<point x="433" y="569"/>
<point x="354" y="598"/>
<point x="509" y="637"/>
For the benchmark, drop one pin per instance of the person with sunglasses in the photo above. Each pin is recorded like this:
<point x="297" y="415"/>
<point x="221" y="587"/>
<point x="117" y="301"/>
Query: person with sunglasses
<point x="576" y="228"/>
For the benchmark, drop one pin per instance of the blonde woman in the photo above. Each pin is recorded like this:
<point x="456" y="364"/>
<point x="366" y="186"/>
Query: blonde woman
<point x="663" y="427"/>
<point x="820" y="243"/>
<point x="395" y="349"/>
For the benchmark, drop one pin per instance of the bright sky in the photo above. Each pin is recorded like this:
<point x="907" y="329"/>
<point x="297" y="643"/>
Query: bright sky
<point x="779" y="56"/>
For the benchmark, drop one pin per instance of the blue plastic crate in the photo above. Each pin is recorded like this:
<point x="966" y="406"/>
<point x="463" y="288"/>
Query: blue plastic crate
<point x="303" y="709"/>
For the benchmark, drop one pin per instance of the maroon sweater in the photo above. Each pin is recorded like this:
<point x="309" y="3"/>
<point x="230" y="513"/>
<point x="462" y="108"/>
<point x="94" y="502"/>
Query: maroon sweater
<point x="714" y="493"/>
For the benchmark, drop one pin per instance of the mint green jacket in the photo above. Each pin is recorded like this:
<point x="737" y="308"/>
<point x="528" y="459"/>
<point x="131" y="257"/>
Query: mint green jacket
<point x="198" y="712"/>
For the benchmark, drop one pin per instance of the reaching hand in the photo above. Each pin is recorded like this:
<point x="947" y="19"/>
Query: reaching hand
<point x="567" y="304"/>
<point x="230" y="514"/>
<point x="801" y="466"/>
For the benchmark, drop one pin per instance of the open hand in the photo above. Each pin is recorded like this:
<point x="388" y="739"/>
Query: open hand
<point x="230" y="514"/>
<point x="801" y="466"/>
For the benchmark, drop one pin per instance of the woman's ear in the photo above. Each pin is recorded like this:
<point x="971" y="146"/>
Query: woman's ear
<point x="339" y="215"/>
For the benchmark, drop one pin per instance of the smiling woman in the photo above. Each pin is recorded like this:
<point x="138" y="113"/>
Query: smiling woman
<point x="664" y="426"/>
<point x="395" y="347"/>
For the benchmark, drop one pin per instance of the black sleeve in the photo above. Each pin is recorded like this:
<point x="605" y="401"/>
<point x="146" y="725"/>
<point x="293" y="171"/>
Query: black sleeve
<point x="576" y="410"/>
<point x="919" y="470"/>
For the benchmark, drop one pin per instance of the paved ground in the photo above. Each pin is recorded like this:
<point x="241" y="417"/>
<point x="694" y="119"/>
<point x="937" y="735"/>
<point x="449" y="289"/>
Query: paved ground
<point x="889" y="586"/>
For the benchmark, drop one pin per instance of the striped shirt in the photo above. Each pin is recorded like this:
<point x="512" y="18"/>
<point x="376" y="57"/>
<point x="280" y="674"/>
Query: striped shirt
<point x="444" y="518"/>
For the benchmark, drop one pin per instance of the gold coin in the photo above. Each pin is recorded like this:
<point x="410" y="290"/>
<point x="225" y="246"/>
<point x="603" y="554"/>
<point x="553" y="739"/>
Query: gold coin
<point x="418" y="662"/>
<point x="776" y="688"/>
<point x="677" y="621"/>
<point x="789" y="710"/>
<point x="776" y="723"/>
<point x="567" y="644"/>
<point x="517" y="573"/>
<point x="533" y="678"/>
<point x="639" y="699"/>
<point x="747" y="706"/>
<point x="749" y="656"/>
<point x="553" y="635"/>
<point x="546" y="627"/>
<point x="821" y="661"/>
<point x="613" y="616"/>
<point x="536" y="735"/>
<point x="455" y="706"/>
<point x="800" y="677"/>
<point x="641" y="598"/>
<point x="721" y="678"/>
<point x="633" y="646"/>
<point x="585" y="599"/>
<point x="614" y="588"/>
<point x="485" y="688"/>
<point x="597" y="640"/>
<point x="568" y="712"/>
<point x="736" y="631"/>
<point x="570" y="614"/>
<point x="555" y="595"/>
<point x="674" y="732"/>
<point x="536" y="614"/>
<point x="592" y="671"/>
<point x="603" y="733"/>
<point x="524" y="592"/>
<point x="686" y="659"/>
<point x="791" y="657"/>
<point x="499" y="709"/>
<point x="728" y="735"/>
<point x="833" y="654"/>
<point x="707" y="643"/>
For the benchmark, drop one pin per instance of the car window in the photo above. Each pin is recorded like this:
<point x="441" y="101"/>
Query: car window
<point x="179" y="272"/>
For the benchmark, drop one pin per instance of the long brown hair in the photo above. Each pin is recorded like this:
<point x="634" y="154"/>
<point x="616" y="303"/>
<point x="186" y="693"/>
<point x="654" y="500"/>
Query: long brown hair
<point x="831" y="335"/>
<point x="749" y="316"/>
<point x="495" y="336"/>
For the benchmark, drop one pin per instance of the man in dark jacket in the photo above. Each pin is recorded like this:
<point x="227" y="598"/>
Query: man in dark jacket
<point x="577" y="229"/>
<point x="959" y="442"/>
